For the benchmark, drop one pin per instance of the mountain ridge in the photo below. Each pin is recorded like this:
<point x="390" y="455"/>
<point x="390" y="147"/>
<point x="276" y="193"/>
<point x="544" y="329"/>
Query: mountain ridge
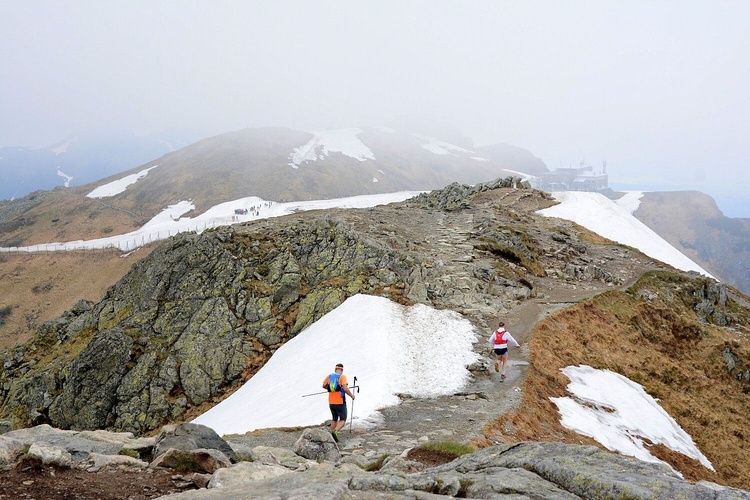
<point x="266" y="280"/>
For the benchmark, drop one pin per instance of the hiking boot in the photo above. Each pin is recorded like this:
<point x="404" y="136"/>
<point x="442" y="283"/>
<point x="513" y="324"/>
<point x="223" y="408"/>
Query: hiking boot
<point x="335" y="435"/>
<point x="497" y="366"/>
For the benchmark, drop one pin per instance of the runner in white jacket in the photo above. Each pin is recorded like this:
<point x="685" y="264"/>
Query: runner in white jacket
<point x="499" y="341"/>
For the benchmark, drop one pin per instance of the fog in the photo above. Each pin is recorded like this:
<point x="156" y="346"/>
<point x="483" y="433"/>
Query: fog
<point x="657" y="89"/>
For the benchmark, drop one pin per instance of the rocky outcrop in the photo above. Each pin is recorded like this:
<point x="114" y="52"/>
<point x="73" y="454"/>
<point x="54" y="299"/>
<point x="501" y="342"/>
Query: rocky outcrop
<point x="528" y="470"/>
<point x="202" y="313"/>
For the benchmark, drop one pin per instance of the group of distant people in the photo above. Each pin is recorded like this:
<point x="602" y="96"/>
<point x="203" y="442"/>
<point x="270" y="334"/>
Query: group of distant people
<point x="337" y="384"/>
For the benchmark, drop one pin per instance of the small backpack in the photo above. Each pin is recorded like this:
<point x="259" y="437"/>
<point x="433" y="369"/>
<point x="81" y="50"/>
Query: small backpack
<point x="499" y="334"/>
<point x="333" y="383"/>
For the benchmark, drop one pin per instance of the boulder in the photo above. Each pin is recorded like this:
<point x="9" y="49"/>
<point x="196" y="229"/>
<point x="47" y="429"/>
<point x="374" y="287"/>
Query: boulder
<point x="279" y="456"/>
<point x="50" y="455"/>
<point x="71" y="441"/>
<point x="10" y="450"/>
<point x="187" y="436"/>
<point x="317" y="444"/>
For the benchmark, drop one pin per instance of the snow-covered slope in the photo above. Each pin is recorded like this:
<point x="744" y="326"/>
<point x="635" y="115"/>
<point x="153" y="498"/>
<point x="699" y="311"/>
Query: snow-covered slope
<point x="390" y="348"/>
<point x="607" y="218"/>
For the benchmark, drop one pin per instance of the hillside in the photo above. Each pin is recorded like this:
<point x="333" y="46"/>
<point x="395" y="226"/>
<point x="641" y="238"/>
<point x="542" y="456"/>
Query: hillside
<point x="692" y="223"/>
<point x="202" y="313"/>
<point x="272" y="163"/>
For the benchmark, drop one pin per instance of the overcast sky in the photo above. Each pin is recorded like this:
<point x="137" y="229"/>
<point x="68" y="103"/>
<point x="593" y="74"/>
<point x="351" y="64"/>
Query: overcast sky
<point x="659" y="89"/>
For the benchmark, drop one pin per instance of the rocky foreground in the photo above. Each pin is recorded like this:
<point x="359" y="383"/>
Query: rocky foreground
<point x="317" y="467"/>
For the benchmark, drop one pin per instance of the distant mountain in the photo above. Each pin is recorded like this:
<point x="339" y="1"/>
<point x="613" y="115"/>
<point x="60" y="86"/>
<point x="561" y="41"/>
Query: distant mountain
<point x="75" y="161"/>
<point x="692" y="222"/>
<point x="514" y="157"/>
<point x="276" y="164"/>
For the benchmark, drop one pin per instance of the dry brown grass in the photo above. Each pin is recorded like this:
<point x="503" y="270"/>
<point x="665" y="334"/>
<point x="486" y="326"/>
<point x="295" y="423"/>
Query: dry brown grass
<point x="38" y="287"/>
<point x="677" y="360"/>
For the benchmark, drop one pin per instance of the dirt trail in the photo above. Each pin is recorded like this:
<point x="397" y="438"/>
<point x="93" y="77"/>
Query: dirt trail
<point x="452" y="259"/>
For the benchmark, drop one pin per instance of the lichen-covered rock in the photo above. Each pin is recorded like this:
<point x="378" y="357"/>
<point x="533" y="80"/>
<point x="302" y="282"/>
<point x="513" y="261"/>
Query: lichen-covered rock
<point x="90" y="383"/>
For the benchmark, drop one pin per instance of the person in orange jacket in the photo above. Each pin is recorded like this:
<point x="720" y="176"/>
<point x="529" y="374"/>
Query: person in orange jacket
<point x="337" y="387"/>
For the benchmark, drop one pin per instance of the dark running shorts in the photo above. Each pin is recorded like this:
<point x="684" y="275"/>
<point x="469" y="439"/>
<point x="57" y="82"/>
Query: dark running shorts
<point x="502" y="351"/>
<point x="338" y="412"/>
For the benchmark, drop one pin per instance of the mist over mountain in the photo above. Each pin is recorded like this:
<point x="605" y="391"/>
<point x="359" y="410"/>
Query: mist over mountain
<point x="277" y="164"/>
<point x="77" y="160"/>
<point x="692" y="222"/>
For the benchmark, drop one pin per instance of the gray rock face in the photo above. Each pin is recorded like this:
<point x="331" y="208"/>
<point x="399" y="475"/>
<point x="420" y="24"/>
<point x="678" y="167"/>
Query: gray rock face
<point x="89" y="383"/>
<point x="187" y="436"/>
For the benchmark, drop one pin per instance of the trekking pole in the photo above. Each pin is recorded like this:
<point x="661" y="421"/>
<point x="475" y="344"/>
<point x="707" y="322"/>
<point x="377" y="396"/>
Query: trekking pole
<point x="315" y="393"/>
<point x="351" y="421"/>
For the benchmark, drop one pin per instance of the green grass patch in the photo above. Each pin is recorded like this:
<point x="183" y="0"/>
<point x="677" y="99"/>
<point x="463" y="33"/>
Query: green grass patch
<point x="130" y="453"/>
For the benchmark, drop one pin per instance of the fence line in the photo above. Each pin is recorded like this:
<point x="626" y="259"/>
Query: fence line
<point x="125" y="245"/>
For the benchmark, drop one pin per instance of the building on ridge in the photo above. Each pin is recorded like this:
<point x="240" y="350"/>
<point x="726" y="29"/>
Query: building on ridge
<point x="581" y="178"/>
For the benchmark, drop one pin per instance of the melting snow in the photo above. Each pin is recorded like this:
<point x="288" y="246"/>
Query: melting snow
<point x="619" y="414"/>
<point x="439" y="147"/>
<point x="345" y="141"/>
<point x="390" y="348"/>
<point x="603" y="216"/>
<point x="118" y="186"/>
<point x="64" y="176"/>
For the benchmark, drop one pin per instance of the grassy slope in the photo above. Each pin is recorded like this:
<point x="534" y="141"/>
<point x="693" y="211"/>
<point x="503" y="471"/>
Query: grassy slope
<point x="660" y="344"/>
<point x="39" y="286"/>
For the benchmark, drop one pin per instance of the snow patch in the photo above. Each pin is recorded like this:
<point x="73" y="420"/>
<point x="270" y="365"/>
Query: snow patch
<point x="64" y="176"/>
<point x="601" y="215"/>
<point x="620" y="414"/>
<point x="118" y="186"/>
<point x="630" y="201"/>
<point x="439" y="147"/>
<point x="388" y="347"/>
<point x="345" y="141"/>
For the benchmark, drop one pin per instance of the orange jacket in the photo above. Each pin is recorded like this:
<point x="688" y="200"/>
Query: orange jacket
<point x="337" y="397"/>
